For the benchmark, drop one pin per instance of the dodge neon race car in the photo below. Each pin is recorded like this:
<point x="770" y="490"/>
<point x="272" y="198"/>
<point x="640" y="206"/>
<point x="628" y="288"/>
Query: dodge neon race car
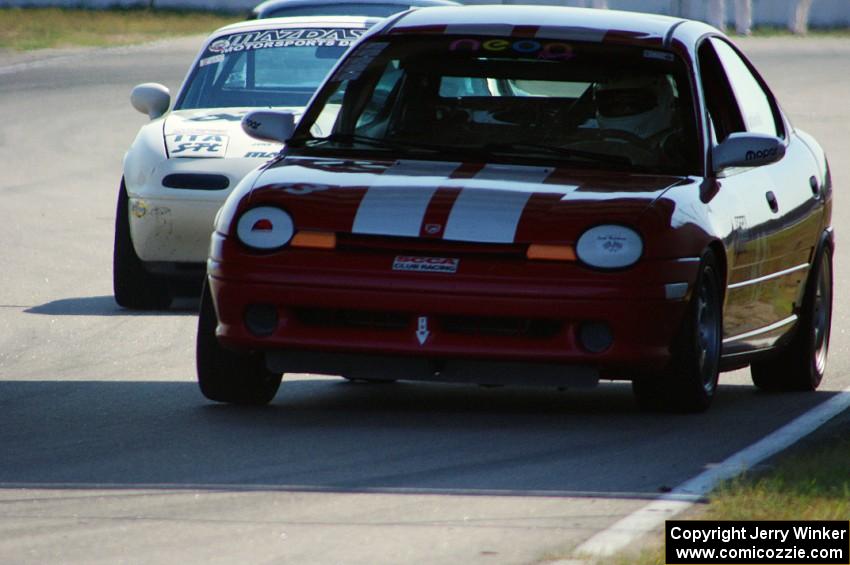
<point x="546" y="196"/>
<point x="183" y="163"/>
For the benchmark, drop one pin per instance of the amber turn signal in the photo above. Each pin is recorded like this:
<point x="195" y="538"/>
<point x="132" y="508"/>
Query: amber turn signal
<point x="314" y="240"/>
<point x="549" y="252"/>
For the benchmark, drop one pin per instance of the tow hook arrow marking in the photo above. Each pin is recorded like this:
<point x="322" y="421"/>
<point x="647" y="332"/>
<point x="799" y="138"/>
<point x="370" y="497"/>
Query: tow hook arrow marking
<point x="422" y="332"/>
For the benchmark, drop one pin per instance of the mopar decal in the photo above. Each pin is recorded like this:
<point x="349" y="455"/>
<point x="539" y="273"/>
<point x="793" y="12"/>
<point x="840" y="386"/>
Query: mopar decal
<point x="425" y="264"/>
<point x="272" y="38"/>
<point x="764" y="154"/>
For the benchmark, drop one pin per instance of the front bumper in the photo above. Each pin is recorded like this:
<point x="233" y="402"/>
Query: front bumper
<point x="321" y="311"/>
<point x="173" y="225"/>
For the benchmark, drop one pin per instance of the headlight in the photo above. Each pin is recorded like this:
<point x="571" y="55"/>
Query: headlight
<point x="265" y="227"/>
<point x="609" y="247"/>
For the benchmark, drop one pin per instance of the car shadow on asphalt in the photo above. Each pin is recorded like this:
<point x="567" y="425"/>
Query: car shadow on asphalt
<point x="330" y="435"/>
<point x="106" y="306"/>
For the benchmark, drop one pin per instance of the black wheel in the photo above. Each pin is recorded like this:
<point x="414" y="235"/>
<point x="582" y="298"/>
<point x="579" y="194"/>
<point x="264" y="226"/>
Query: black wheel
<point x="229" y="376"/>
<point x="801" y="364"/>
<point x="691" y="382"/>
<point x="132" y="285"/>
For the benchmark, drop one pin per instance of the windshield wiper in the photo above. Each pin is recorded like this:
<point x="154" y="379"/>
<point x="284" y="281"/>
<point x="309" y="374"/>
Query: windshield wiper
<point x="560" y="151"/>
<point x="351" y="138"/>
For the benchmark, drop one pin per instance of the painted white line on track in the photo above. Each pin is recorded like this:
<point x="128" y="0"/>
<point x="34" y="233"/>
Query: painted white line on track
<point x="641" y="522"/>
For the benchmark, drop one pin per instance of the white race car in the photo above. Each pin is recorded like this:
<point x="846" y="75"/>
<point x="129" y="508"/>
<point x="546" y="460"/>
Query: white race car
<point x="184" y="163"/>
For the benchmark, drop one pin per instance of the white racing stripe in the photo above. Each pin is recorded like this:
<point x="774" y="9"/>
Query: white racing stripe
<point x="652" y="516"/>
<point x="481" y="213"/>
<point x="489" y="215"/>
<point x="486" y="215"/>
<point x="389" y="209"/>
<point x="392" y="210"/>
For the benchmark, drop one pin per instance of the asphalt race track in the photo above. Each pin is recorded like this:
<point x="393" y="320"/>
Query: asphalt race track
<point x="108" y="451"/>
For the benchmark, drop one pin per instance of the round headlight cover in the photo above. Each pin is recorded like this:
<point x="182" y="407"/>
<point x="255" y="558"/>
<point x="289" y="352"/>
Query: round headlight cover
<point x="265" y="227"/>
<point x="609" y="247"/>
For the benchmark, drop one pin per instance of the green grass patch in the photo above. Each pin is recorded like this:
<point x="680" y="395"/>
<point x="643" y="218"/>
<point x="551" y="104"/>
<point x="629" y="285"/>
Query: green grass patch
<point x="25" y="29"/>
<point x="812" y="484"/>
<point x="808" y="482"/>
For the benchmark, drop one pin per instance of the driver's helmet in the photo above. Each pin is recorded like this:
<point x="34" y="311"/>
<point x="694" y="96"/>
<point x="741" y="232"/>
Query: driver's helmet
<point x="641" y="105"/>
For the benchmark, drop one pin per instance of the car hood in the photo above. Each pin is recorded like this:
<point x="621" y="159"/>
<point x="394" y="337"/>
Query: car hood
<point x="471" y="202"/>
<point x="214" y="133"/>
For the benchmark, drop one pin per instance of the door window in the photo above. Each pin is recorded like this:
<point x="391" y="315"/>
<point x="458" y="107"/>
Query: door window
<point x="755" y="104"/>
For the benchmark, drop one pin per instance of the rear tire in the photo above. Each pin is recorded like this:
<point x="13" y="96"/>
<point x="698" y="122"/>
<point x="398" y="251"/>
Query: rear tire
<point x="229" y="376"/>
<point x="801" y="364"/>
<point x="691" y="382"/>
<point x="132" y="285"/>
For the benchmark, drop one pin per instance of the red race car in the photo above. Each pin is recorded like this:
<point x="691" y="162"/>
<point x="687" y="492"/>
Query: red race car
<point x="527" y="195"/>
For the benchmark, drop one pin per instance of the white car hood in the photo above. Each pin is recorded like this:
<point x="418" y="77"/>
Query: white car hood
<point x="214" y="133"/>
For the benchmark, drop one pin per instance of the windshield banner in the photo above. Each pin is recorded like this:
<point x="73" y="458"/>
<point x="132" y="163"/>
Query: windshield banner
<point x="273" y="38"/>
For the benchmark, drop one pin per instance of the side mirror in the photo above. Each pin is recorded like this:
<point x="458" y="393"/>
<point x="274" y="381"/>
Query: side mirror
<point x="744" y="149"/>
<point x="151" y="98"/>
<point x="269" y="125"/>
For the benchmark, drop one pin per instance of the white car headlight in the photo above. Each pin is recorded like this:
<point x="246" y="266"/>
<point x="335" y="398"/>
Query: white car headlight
<point x="265" y="227"/>
<point x="609" y="247"/>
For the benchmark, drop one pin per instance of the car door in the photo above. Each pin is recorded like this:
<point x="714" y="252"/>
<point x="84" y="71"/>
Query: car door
<point x="768" y="258"/>
<point x="793" y="182"/>
<point x="791" y="189"/>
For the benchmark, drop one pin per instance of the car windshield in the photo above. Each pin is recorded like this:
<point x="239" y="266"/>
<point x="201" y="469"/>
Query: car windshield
<point x="272" y="67"/>
<point x="508" y="99"/>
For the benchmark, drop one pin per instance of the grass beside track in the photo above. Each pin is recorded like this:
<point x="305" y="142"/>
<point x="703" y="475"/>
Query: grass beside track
<point x="25" y="29"/>
<point x="809" y="482"/>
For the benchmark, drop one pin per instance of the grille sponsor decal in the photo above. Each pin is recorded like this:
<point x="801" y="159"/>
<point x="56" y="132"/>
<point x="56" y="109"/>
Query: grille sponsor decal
<point x="425" y="264"/>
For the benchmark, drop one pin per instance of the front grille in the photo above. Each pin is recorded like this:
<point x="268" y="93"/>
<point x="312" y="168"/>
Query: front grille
<point x="504" y="327"/>
<point x="484" y="326"/>
<point x="363" y="319"/>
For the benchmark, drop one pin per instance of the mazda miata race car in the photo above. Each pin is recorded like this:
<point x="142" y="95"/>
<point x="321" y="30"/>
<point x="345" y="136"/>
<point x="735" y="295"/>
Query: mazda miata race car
<point x="183" y="163"/>
<point x="519" y="195"/>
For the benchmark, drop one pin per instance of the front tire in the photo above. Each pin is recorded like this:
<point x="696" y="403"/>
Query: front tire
<point x="132" y="285"/>
<point x="229" y="376"/>
<point x="801" y="364"/>
<point x="691" y="382"/>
